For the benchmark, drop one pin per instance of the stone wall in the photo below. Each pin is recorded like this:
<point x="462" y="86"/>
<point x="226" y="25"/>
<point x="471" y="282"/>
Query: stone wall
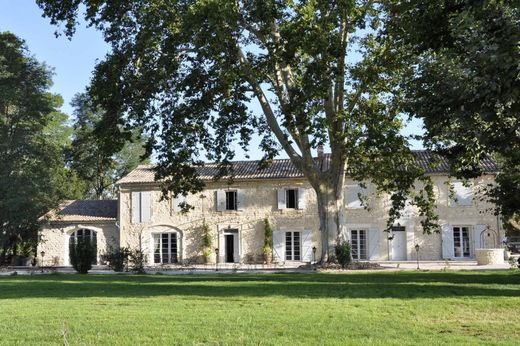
<point x="261" y="202"/>
<point x="54" y="240"/>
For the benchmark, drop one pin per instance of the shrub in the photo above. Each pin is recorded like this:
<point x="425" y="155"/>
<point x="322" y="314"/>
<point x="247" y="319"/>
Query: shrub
<point x="268" y="241"/>
<point x="82" y="255"/>
<point x="137" y="261"/>
<point x="343" y="253"/>
<point x="117" y="258"/>
<point x="207" y="241"/>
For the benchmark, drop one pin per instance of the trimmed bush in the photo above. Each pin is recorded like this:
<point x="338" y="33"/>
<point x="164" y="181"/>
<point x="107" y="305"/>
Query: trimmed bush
<point x="116" y="258"/>
<point x="343" y="253"/>
<point x="82" y="255"/>
<point x="207" y="242"/>
<point x="137" y="261"/>
<point x="267" y="250"/>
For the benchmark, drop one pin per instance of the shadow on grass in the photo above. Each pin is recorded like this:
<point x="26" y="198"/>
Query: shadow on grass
<point x="404" y="285"/>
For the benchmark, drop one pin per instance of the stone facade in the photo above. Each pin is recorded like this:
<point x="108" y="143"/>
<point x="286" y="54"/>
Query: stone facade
<point x="55" y="237"/>
<point x="258" y="199"/>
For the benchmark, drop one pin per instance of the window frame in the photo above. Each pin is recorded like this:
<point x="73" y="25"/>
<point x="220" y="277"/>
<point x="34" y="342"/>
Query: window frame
<point x="294" y="252"/>
<point x="73" y="237"/>
<point x="159" y="236"/>
<point x="462" y="243"/>
<point x="359" y="247"/>
<point x="235" y="197"/>
<point x="287" y="199"/>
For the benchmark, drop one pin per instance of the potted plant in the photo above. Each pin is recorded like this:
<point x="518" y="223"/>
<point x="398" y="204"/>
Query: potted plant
<point x="207" y="242"/>
<point x="267" y="249"/>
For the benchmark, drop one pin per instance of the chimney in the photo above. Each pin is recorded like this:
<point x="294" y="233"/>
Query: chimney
<point x="321" y="153"/>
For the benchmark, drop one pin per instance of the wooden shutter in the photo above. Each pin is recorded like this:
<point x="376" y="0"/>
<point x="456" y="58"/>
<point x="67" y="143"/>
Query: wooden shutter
<point x="307" y="246"/>
<point x="221" y="200"/>
<point x="146" y="207"/>
<point x="281" y="198"/>
<point x="352" y="196"/>
<point x="221" y="247"/>
<point x="279" y="246"/>
<point x="477" y="230"/>
<point x="447" y="242"/>
<point x="302" y="198"/>
<point x="136" y="207"/>
<point x="241" y="199"/>
<point x="373" y="244"/>
<point x="410" y="242"/>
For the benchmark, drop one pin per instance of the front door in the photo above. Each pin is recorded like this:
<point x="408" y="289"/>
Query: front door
<point x="230" y="248"/>
<point x="398" y="244"/>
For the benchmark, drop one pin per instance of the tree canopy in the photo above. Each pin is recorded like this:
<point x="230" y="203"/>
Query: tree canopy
<point x="464" y="83"/>
<point x="190" y="72"/>
<point x="98" y="162"/>
<point x="33" y="134"/>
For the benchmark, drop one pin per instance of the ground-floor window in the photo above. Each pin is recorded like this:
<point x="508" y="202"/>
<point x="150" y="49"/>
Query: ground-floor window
<point x="358" y="241"/>
<point x="165" y="248"/>
<point x="84" y="234"/>
<point x="461" y="241"/>
<point x="293" y="246"/>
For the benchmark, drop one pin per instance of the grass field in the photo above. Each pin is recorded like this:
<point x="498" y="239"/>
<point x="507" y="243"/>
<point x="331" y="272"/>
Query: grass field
<point x="270" y="309"/>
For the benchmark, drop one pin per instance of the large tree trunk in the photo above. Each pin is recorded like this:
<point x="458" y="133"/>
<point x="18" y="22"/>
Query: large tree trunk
<point x="331" y="211"/>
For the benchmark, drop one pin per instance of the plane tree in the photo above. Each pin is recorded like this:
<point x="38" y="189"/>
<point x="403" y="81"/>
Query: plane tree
<point x="201" y="77"/>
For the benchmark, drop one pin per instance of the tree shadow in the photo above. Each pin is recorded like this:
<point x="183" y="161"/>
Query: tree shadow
<point x="404" y="285"/>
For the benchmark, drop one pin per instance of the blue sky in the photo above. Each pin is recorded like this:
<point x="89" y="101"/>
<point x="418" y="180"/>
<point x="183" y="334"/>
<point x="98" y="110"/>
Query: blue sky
<point x="73" y="60"/>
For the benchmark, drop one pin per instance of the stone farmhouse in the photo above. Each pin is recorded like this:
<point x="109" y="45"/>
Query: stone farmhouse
<point x="140" y="218"/>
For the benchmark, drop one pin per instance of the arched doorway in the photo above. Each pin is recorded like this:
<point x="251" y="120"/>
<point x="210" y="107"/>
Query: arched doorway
<point x="166" y="245"/>
<point x="84" y="234"/>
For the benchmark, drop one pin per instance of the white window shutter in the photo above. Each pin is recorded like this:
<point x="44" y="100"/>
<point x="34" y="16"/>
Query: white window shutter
<point x="477" y="230"/>
<point x="302" y="198"/>
<point x="146" y="206"/>
<point x="237" y="250"/>
<point x="221" y="247"/>
<point x="410" y="242"/>
<point x="463" y="194"/>
<point x="281" y="198"/>
<point x="373" y="244"/>
<point x="241" y="199"/>
<point x="221" y="200"/>
<point x="278" y="246"/>
<point x="447" y="242"/>
<point x="307" y="245"/>
<point x="136" y="207"/>
<point x="352" y="196"/>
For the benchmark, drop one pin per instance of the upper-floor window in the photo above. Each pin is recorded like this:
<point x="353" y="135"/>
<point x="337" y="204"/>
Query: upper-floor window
<point x="230" y="199"/>
<point x="141" y="207"/>
<point x="353" y="200"/>
<point x="291" y="198"/>
<point x="462" y="195"/>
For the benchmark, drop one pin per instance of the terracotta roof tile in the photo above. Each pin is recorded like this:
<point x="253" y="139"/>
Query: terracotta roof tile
<point x="84" y="210"/>
<point x="283" y="168"/>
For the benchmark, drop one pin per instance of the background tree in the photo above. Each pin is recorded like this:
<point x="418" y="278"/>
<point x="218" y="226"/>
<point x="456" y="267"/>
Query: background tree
<point x="98" y="163"/>
<point x="189" y="73"/>
<point x="465" y="84"/>
<point x="33" y="134"/>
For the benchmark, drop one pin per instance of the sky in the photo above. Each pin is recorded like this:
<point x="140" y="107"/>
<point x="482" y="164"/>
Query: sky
<point x="73" y="60"/>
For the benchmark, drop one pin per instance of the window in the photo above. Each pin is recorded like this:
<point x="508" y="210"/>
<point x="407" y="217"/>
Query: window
<point x="352" y="196"/>
<point x="291" y="198"/>
<point x="165" y="248"/>
<point x="463" y="195"/>
<point x="293" y="246"/>
<point x="141" y="207"/>
<point x="231" y="200"/>
<point x="84" y="234"/>
<point x="461" y="241"/>
<point x="358" y="241"/>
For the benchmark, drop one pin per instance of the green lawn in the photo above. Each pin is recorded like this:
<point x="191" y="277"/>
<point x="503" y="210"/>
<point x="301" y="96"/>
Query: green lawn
<point x="269" y="309"/>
